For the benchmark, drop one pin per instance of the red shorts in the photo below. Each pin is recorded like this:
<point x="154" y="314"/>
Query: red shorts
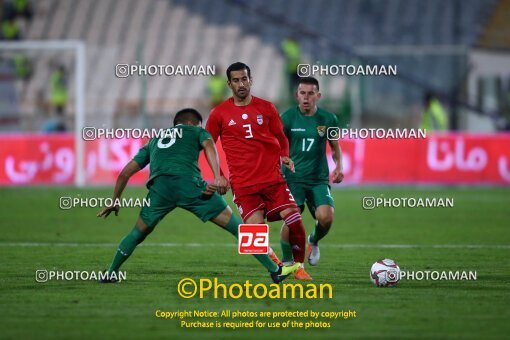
<point x="272" y="198"/>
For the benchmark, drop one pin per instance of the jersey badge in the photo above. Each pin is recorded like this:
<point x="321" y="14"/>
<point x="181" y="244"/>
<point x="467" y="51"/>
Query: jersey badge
<point x="260" y="119"/>
<point x="321" y="130"/>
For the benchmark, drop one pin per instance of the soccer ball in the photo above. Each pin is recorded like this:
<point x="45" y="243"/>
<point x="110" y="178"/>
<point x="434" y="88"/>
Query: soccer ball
<point x="385" y="273"/>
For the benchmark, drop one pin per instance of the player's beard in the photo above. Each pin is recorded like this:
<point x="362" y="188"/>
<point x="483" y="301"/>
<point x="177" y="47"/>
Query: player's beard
<point x="242" y="94"/>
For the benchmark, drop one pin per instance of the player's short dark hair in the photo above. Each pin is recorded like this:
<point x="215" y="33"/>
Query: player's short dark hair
<point x="186" y="115"/>
<point x="238" y="66"/>
<point x="309" y="81"/>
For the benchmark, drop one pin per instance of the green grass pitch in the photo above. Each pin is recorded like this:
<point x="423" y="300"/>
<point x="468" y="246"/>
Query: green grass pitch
<point x="472" y="236"/>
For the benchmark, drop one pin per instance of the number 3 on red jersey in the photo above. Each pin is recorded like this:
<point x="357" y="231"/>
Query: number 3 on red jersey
<point x="247" y="128"/>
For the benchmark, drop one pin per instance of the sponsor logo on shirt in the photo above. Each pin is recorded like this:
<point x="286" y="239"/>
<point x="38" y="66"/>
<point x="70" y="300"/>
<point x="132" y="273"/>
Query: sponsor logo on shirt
<point x="231" y="122"/>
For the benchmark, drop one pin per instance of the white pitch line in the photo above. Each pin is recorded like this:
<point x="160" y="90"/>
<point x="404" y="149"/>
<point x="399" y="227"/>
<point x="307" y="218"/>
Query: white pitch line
<point x="208" y="245"/>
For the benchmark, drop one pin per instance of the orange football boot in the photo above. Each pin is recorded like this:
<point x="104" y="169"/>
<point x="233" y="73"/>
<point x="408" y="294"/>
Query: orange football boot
<point x="301" y="274"/>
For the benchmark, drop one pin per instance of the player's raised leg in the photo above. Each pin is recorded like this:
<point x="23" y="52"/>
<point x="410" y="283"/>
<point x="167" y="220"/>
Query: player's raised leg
<point x="140" y="230"/>
<point x="127" y="246"/>
<point x="147" y="221"/>
<point x="227" y="220"/>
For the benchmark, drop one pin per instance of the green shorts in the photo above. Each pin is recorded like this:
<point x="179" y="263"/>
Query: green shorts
<point x="313" y="194"/>
<point x="168" y="192"/>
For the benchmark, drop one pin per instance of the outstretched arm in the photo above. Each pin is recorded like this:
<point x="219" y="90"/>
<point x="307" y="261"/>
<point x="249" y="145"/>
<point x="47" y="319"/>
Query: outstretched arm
<point x="129" y="170"/>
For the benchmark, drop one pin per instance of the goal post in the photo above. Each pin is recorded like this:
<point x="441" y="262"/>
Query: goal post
<point x="78" y="47"/>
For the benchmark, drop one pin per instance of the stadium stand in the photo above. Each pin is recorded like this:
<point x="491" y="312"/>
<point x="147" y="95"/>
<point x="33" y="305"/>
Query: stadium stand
<point x="496" y="33"/>
<point x="202" y="32"/>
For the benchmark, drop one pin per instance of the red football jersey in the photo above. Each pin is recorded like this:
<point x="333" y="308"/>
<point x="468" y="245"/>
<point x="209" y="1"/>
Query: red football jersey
<point x="253" y="140"/>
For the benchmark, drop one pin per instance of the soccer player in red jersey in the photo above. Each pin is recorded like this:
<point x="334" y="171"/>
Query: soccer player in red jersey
<point x="255" y="145"/>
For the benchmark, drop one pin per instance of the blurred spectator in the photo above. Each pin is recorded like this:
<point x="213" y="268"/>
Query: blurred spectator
<point x="58" y="101"/>
<point x="434" y="117"/>
<point x="10" y="29"/>
<point x="22" y="8"/>
<point x="292" y="53"/>
<point x="58" y="90"/>
<point x="22" y="66"/>
<point x="217" y="88"/>
<point x="23" y="70"/>
<point x="17" y="9"/>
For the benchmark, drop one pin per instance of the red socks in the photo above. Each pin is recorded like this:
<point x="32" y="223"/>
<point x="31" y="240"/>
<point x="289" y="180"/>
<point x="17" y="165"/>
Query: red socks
<point x="297" y="236"/>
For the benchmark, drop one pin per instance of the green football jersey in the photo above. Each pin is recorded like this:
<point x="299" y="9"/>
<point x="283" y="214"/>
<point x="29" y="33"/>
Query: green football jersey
<point x="307" y="137"/>
<point x="174" y="156"/>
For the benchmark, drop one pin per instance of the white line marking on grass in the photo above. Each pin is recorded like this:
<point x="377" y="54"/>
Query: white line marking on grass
<point x="436" y="246"/>
<point x="207" y="245"/>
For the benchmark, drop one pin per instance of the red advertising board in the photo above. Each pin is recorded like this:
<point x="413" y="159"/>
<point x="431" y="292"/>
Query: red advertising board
<point x="454" y="158"/>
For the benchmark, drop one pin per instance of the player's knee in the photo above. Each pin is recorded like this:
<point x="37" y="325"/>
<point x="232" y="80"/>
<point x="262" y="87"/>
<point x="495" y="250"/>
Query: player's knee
<point x="294" y="222"/>
<point x="286" y="212"/>
<point x="257" y="217"/>
<point x="325" y="222"/>
<point x="140" y="225"/>
<point x="224" y="217"/>
<point x="325" y="218"/>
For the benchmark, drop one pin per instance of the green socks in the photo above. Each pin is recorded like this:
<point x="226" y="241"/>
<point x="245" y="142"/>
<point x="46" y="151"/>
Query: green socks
<point x="126" y="248"/>
<point x="318" y="233"/>
<point x="233" y="228"/>
<point x="286" y="252"/>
